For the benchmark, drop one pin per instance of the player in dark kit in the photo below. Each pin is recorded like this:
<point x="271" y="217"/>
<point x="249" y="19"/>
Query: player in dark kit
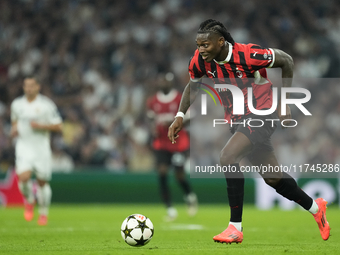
<point x="162" y="108"/>
<point x="243" y="65"/>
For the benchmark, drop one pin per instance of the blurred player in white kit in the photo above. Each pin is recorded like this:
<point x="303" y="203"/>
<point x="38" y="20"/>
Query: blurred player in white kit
<point x="33" y="117"/>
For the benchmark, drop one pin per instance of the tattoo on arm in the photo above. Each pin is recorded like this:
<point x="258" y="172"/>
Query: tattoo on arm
<point x="189" y="96"/>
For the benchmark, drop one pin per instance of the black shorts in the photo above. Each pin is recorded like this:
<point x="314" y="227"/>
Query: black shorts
<point x="258" y="129"/>
<point x="176" y="159"/>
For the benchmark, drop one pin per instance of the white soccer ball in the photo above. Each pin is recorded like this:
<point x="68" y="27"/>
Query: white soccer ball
<point x="137" y="230"/>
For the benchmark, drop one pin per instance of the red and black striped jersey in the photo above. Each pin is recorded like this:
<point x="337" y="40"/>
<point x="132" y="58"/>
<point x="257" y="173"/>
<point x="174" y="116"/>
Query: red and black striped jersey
<point x="163" y="108"/>
<point x="244" y="67"/>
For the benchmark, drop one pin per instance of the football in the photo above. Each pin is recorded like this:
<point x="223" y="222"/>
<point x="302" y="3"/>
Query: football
<point x="137" y="230"/>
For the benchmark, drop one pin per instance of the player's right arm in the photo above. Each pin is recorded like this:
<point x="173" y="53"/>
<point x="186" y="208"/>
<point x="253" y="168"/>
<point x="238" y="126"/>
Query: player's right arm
<point x="14" y="129"/>
<point x="188" y="97"/>
<point x="54" y="122"/>
<point x="14" y="119"/>
<point x="189" y="94"/>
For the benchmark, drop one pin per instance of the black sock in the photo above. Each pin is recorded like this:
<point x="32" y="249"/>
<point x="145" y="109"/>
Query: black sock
<point x="235" y="188"/>
<point x="288" y="188"/>
<point x="182" y="180"/>
<point x="165" y="193"/>
<point x="185" y="186"/>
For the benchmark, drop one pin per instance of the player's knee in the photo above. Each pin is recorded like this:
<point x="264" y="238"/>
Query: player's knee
<point x="162" y="169"/>
<point x="24" y="177"/>
<point x="180" y="175"/>
<point x="227" y="157"/>
<point x="272" y="181"/>
<point x="41" y="183"/>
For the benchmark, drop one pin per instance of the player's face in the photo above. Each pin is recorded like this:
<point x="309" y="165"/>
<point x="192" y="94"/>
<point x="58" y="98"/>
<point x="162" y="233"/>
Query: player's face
<point x="209" y="46"/>
<point x="31" y="87"/>
<point x="164" y="85"/>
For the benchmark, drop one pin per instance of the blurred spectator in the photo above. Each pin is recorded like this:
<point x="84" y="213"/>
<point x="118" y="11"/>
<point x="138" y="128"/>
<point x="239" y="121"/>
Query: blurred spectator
<point x="61" y="161"/>
<point x="73" y="130"/>
<point x="141" y="157"/>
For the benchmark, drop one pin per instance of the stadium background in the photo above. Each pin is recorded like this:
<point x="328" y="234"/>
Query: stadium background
<point x="98" y="61"/>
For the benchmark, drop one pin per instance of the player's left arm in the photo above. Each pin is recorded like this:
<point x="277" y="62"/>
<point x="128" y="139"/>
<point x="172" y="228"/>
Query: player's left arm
<point x="151" y="115"/>
<point x="54" y="123"/>
<point x="47" y="127"/>
<point x="285" y="62"/>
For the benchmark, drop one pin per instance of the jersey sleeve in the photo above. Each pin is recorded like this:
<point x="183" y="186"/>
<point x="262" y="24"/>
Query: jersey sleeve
<point x="260" y="57"/>
<point x="195" y="63"/>
<point x="53" y="114"/>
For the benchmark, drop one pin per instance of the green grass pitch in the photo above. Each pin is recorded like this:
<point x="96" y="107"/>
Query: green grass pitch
<point x="95" y="229"/>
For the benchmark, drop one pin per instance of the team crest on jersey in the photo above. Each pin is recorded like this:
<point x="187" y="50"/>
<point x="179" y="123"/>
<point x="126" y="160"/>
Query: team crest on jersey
<point x="239" y="74"/>
<point x="265" y="56"/>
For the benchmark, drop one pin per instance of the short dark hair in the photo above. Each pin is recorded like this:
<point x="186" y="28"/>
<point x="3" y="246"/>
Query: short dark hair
<point x="214" y="26"/>
<point x="37" y="80"/>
